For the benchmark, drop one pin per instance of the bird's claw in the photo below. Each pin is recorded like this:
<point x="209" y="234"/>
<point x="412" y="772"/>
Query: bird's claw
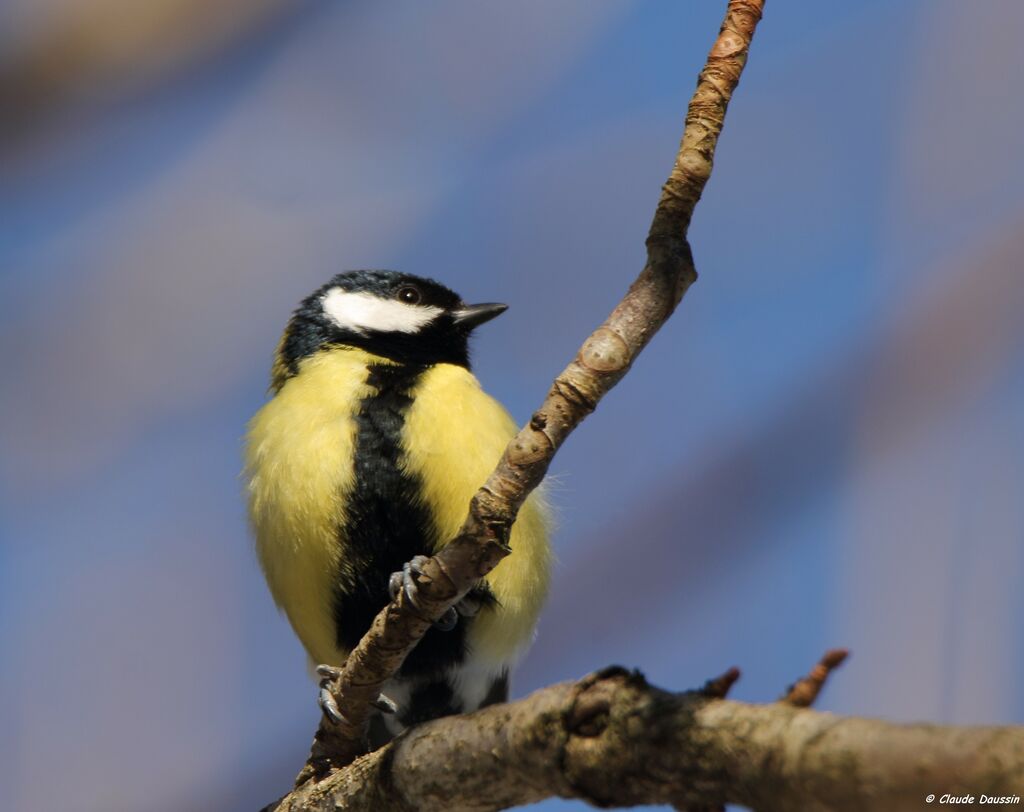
<point x="469" y="606"/>
<point x="328" y="672"/>
<point x="405" y="581"/>
<point x="329" y="705"/>
<point x="385" y="704"/>
<point x="325" y="698"/>
<point x="448" y="621"/>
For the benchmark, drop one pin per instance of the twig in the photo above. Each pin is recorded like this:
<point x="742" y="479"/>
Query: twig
<point x="803" y="692"/>
<point x="600" y="363"/>
<point x="719" y="687"/>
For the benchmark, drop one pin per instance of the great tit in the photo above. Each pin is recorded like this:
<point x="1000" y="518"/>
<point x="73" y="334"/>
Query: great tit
<point x="366" y="456"/>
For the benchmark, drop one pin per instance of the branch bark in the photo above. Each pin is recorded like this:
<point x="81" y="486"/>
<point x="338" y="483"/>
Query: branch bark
<point x="613" y="740"/>
<point x="600" y="363"/>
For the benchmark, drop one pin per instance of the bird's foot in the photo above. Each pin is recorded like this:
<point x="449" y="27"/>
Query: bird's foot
<point x="471" y="604"/>
<point x="329" y="706"/>
<point x="405" y="580"/>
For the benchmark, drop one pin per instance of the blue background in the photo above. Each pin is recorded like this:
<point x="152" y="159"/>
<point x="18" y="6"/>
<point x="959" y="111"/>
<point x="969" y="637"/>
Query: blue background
<point x="823" y="448"/>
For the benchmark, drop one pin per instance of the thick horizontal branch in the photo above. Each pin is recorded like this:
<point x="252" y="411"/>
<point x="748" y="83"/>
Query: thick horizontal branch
<point x="613" y="740"/>
<point x="600" y="363"/>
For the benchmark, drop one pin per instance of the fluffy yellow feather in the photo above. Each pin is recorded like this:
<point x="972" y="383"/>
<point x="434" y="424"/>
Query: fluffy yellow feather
<point x="299" y="463"/>
<point x="448" y="407"/>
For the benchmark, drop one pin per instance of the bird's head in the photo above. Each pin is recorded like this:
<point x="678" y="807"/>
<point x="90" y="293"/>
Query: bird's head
<point x="396" y="315"/>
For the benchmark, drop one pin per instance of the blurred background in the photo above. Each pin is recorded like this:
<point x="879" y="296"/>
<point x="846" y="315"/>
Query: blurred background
<point x="824" y="448"/>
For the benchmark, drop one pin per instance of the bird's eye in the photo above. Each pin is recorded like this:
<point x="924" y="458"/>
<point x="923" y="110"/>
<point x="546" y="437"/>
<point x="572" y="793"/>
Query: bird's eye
<point x="409" y="295"/>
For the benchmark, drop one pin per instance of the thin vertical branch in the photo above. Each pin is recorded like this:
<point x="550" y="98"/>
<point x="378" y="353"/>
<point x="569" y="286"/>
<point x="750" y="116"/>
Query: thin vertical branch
<point x="600" y="363"/>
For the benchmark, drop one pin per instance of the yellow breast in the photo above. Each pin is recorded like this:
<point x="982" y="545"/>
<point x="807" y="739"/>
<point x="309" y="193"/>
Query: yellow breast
<point x="300" y="453"/>
<point x="299" y="464"/>
<point x="454" y="436"/>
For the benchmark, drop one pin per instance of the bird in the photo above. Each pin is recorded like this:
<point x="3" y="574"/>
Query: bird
<point x="363" y="460"/>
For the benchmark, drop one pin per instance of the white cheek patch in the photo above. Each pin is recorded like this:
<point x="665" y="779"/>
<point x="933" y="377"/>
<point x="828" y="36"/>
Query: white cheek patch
<point x="361" y="311"/>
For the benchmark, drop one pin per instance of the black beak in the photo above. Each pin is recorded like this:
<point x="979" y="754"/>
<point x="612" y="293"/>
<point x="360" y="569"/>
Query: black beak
<point x="470" y="316"/>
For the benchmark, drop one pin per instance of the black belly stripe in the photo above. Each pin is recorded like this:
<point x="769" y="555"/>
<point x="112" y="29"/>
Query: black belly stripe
<point x="386" y="524"/>
<point x="430" y="700"/>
